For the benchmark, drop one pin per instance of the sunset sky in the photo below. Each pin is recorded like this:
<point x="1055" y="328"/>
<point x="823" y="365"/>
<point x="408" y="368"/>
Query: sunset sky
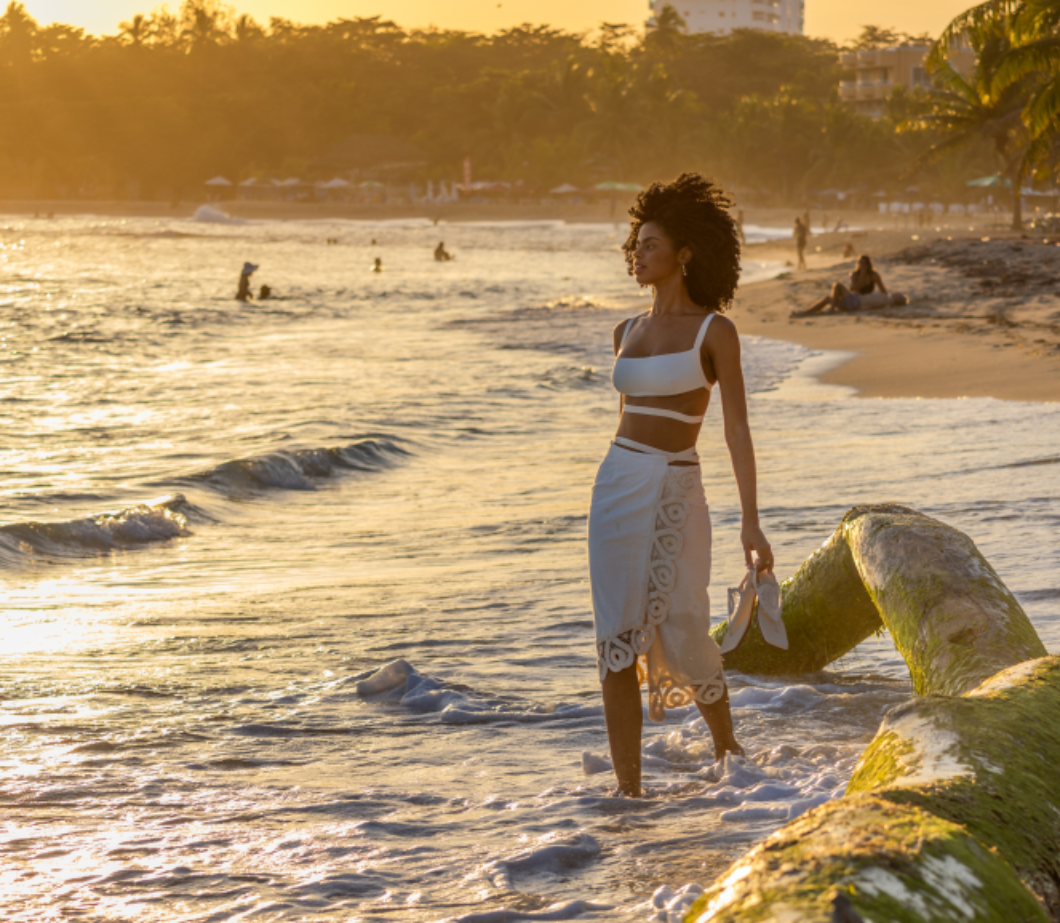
<point x="835" y="19"/>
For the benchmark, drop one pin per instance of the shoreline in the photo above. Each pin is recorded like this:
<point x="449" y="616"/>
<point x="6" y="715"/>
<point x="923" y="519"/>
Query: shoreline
<point x="983" y="319"/>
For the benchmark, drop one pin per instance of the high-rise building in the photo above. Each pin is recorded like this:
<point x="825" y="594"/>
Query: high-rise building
<point x="722" y="16"/>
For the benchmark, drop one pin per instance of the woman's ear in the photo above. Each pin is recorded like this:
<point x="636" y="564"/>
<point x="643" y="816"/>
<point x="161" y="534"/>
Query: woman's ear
<point x="684" y="256"/>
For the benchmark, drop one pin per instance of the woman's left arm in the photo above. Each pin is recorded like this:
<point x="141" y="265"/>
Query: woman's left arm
<point x="879" y="282"/>
<point x="723" y="346"/>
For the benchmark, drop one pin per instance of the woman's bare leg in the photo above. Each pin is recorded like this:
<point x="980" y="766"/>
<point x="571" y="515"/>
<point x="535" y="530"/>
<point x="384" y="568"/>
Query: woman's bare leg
<point x="624" y="717"/>
<point x="718" y="716"/>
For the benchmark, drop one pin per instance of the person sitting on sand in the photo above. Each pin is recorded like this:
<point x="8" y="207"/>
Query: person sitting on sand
<point x="377" y="266"/>
<point x="244" y="282"/>
<point x="864" y="281"/>
<point x="442" y="255"/>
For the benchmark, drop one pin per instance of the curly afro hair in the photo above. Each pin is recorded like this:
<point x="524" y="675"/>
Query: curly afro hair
<point x="693" y="211"/>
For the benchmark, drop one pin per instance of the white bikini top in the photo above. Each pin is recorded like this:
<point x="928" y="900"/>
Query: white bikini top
<point x="661" y="376"/>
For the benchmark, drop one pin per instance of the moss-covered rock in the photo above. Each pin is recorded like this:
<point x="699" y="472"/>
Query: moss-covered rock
<point x="827" y="612"/>
<point x="950" y="615"/>
<point x="867" y="856"/>
<point x="989" y="760"/>
<point x="953" y="812"/>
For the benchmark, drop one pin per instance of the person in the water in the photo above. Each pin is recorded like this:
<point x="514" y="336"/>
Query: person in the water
<point x="442" y="255"/>
<point x="264" y="292"/>
<point x="377" y="266"/>
<point x="244" y="282"/>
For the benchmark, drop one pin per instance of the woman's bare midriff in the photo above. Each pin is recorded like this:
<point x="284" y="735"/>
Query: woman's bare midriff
<point x="662" y="432"/>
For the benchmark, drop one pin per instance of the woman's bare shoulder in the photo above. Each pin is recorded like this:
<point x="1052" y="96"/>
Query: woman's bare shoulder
<point x="721" y="327"/>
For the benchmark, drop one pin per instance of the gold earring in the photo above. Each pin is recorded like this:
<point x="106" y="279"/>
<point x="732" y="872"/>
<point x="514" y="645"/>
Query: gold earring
<point x="684" y="270"/>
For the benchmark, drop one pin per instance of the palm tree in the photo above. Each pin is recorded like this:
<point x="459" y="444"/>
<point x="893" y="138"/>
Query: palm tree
<point x="1035" y="63"/>
<point x="136" y="31"/>
<point x="668" y="34"/>
<point x="204" y="22"/>
<point x="17" y="32"/>
<point x="968" y="110"/>
<point x="247" y="29"/>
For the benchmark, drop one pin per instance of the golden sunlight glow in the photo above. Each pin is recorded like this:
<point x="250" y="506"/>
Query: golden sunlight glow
<point x="834" y="19"/>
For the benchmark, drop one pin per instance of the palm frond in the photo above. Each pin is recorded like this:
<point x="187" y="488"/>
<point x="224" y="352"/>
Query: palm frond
<point x="1043" y="111"/>
<point x="975" y="19"/>
<point x="1039" y="56"/>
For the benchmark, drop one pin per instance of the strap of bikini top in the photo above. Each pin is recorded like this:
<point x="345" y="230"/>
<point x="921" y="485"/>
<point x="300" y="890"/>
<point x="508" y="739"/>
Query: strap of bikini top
<point x="625" y="332"/>
<point x="703" y="331"/>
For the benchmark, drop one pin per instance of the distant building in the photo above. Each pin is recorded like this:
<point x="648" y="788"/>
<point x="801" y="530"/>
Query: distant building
<point x="722" y="16"/>
<point x="878" y="71"/>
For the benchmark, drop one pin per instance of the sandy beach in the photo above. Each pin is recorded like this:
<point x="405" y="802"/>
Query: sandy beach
<point x="983" y="318"/>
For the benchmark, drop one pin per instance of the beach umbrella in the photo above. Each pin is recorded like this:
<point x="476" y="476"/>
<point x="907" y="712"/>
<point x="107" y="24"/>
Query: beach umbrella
<point x="565" y="189"/>
<point x="335" y="183"/>
<point x="253" y="181"/>
<point x="218" y="181"/>
<point x="995" y="180"/>
<point x="371" y="184"/>
<point x="288" y="182"/>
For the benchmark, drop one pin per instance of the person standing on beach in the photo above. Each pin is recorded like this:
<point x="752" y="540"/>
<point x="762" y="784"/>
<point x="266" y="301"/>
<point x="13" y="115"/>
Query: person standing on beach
<point x="649" y="526"/>
<point x="802" y="233"/>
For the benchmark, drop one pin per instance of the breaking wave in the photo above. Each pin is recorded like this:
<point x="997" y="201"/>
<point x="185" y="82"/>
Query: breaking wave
<point x="299" y="469"/>
<point x="144" y="524"/>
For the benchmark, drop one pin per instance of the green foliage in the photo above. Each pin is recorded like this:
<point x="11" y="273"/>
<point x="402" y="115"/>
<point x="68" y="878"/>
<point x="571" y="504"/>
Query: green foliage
<point x="176" y="97"/>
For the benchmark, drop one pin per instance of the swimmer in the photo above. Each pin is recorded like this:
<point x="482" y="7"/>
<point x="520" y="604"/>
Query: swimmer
<point x="244" y="282"/>
<point x="264" y="292"/>
<point x="441" y="255"/>
<point x="377" y="266"/>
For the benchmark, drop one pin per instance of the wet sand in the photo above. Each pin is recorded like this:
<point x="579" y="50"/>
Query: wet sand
<point x="983" y="318"/>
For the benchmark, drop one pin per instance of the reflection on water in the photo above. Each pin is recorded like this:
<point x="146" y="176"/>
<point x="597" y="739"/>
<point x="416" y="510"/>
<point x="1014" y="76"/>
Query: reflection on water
<point x="220" y="521"/>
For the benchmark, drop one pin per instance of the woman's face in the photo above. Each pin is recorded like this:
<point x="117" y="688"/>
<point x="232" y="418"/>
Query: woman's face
<point x="863" y="265"/>
<point x="656" y="258"/>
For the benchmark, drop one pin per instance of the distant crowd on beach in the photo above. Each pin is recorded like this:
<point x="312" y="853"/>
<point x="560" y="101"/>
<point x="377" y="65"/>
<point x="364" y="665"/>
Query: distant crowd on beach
<point x="244" y="293"/>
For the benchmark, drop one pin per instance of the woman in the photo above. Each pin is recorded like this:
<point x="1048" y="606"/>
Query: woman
<point x="649" y="528"/>
<point x="864" y="280"/>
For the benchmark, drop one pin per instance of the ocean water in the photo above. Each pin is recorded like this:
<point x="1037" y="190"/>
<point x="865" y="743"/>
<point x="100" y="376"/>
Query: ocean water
<point x="296" y="623"/>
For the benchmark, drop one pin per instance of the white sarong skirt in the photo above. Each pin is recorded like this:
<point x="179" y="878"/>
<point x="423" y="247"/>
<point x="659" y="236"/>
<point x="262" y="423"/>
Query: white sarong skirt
<point x="649" y="569"/>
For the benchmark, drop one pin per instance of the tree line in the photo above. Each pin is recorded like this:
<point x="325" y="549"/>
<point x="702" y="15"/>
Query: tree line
<point x="176" y="97"/>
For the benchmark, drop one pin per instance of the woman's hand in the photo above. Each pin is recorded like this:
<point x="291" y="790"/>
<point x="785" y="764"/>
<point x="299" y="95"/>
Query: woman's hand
<point x="754" y="541"/>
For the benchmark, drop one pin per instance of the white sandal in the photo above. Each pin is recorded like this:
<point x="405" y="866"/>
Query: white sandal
<point x="770" y="614"/>
<point x="764" y="586"/>
<point x="741" y="605"/>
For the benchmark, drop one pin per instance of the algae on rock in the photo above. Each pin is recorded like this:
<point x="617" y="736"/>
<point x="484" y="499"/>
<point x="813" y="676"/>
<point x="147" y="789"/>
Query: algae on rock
<point x="888" y="566"/>
<point x="953" y="812"/>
